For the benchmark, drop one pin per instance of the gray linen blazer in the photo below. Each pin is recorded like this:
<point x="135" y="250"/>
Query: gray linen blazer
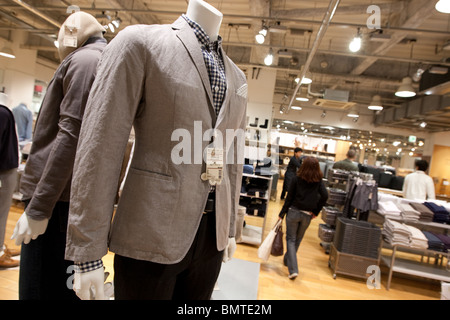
<point x="152" y="77"/>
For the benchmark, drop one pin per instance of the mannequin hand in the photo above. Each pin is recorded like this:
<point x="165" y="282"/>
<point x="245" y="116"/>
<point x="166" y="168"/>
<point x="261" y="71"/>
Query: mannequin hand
<point x="28" y="229"/>
<point x="84" y="282"/>
<point x="229" y="250"/>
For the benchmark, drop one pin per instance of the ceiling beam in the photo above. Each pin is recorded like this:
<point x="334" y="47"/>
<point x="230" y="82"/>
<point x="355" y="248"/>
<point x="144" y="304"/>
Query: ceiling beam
<point x="417" y="12"/>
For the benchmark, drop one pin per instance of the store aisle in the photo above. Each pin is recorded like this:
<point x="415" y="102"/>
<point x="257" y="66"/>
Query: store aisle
<point x="315" y="279"/>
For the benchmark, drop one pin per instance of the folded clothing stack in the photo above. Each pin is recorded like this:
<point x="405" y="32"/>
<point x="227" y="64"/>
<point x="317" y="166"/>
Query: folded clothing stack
<point x="445" y="239"/>
<point x="441" y="214"/>
<point x="396" y="233"/>
<point x="409" y="214"/>
<point x="389" y="210"/>
<point x="434" y="243"/>
<point x="417" y="239"/>
<point x="426" y="215"/>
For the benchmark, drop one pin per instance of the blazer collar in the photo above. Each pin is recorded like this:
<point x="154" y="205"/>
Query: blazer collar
<point x="186" y="35"/>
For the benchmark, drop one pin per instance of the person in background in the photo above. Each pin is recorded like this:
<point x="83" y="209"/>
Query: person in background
<point x="418" y="185"/>
<point x="347" y="164"/>
<point x="24" y="121"/>
<point x="9" y="161"/>
<point x="306" y="197"/>
<point x="291" y="171"/>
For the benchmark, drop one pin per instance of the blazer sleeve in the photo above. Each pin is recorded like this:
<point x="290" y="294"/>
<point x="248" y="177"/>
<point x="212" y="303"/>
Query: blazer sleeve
<point x="109" y="115"/>
<point x="236" y="170"/>
<point x="77" y="82"/>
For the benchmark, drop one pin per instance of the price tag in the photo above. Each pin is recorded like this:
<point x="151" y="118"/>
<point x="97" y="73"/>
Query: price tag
<point x="214" y="166"/>
<point x="70" y="37"/>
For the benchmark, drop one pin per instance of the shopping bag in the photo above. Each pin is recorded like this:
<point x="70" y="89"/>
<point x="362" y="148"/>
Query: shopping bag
<point x="266" y="246"/>
<point x="277" y="246"/>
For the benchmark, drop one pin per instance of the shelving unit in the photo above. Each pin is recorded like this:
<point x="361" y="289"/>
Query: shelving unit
<point x="436" y="271"/>
<point x="253" y="233"/>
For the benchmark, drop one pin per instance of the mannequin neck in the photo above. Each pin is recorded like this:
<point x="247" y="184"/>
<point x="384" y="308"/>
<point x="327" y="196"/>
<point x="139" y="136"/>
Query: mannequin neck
<point x="3" y="99"/>
<point x="208" y="17"/>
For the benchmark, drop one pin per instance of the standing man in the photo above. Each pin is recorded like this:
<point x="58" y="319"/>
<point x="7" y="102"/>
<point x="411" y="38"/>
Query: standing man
<point x="291" y="171"/>
<point x="347" y="164"/>
<point x="9" y="161"/>
<point x="418" y="185"/>
<point x="46" y="182"/>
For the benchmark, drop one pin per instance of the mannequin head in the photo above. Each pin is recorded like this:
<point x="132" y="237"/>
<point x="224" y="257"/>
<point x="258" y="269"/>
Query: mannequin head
<point x="208" y="17"/>
<point x="3" y="99"/>
<point x="88" y="27"/>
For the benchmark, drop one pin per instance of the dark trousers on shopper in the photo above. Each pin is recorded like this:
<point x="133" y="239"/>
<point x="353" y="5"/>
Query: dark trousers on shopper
<point x="193" y="278"/>
<point x="44" y="273"/>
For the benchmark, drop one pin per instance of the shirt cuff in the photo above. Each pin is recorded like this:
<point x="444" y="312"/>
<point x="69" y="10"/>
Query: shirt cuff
<point x="83" y="267"/>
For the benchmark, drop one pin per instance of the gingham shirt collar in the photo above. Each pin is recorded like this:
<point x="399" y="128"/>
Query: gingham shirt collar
<point x="214" y="63"/>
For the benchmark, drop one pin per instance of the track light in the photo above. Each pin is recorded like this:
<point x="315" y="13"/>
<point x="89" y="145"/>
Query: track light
<point x="376" y="104"/>
<point x="443" y="6"/>
<point x="268" y="60"/>
<point x="324" y="114"/>
<point x="423" y="124"/>
<point x="261" y="36"/>
<point x="355" y="45"/>
<point x="406" y="90"/>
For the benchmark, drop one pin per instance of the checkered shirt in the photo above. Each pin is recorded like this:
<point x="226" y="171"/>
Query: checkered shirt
<point x="214" y="63"/>
<point x="82" y="267"/>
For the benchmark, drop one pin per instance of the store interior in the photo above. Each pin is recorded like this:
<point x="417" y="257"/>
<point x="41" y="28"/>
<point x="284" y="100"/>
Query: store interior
<point x="308" y="87"/>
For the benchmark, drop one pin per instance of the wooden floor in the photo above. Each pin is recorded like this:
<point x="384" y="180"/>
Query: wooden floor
<point x="315" y="279"/>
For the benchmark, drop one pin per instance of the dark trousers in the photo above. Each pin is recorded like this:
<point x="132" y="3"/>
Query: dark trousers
<point x="44" y="272"/>
<point x="193" y="278"/>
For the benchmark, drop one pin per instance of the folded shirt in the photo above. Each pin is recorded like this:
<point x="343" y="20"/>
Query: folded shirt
<point x="426" y="215"/>
<point x="408" y="213"/>
<point x="434" y="243"/>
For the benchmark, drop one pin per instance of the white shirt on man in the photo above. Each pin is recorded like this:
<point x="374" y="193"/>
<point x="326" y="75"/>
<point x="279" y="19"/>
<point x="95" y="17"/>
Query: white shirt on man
<point x="418" y="186"/>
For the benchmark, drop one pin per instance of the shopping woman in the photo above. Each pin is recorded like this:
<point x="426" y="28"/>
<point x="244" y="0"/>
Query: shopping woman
<point x="306" y="197"/>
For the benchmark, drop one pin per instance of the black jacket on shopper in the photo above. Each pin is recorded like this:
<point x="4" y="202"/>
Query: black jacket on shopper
<point x="9" y="150"/>
<point x="305" y="196"/>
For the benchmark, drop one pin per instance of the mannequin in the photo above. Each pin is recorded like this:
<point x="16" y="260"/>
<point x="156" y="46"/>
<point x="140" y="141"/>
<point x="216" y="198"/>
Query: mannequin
<point x="81" y="216"/>
<point x="45" y="184"/>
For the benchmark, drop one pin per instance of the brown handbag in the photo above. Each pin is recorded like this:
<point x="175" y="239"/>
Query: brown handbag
<point x="277" y="246"/>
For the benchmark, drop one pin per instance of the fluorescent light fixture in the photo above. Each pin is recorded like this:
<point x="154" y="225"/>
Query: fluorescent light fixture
<point x="7" y="53"/>
<point x="306" y="79"/>
<point x="353" y="114"/>
<point x="296" y="108"/>
<point x="288" y="122"/>
<point x="111" y="27"/>
<point x="268" y="60"/>
<point x="116" y="22"/>
<point x="443" y="6"/>
<point x="406" y="90"/>
<point x="376" y="104"/>
<point x="355" y="45"/>
<point x="302" y="99"/>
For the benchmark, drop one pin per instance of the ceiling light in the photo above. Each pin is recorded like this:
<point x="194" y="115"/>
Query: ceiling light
<point x="116" y="22"/>
<point x="56" y="43"/>
<point x="353" y="114"/>
<point x="406" y="90"/>
<point x="324" y="114"/>
<point x="306" y="79"/>
<point x="421" y="143"/>
<point x="268" y="60"/>
<point x="296" y="108"/>
<point x="376" y="104"/>
<point x="261" y="36"/>
<point x="411" y="154"/>
<point x="302" y="99"/>
<point x="355" y="45"/>
<point x="7" y="53"/>
<point x="396" y="143"/>
<point x="111" y="27"/>
<point x="423" y="124"/>
<point x="443" y="6"/>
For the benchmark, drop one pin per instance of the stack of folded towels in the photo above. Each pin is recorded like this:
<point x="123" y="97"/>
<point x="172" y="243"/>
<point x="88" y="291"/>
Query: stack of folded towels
<point x="396" y="233"/>
<point x="441" y="214"/>
<point x="426" y="215"/>
<point x="389" y="209"/>
<point x="417" y="239"/>
<point x="409" y="214"/>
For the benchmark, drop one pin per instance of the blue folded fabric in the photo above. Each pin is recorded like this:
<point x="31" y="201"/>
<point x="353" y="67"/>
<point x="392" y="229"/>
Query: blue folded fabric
<point x="434" y="243"/>
<point x="441" y="215"/>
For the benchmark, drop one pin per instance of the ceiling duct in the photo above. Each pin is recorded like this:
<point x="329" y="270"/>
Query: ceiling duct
<point x="414" y="109"/>
<point x="435" y="81"/>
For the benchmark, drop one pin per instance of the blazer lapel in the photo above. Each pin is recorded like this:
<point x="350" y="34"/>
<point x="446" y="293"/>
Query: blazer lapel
<point x="190" y="42"/>
<point x="230" y="90"/>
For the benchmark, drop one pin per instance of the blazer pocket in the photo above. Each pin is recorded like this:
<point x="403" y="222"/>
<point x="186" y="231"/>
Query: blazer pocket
<point x="151" y="174"/>
<point x="242" y="91"/>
